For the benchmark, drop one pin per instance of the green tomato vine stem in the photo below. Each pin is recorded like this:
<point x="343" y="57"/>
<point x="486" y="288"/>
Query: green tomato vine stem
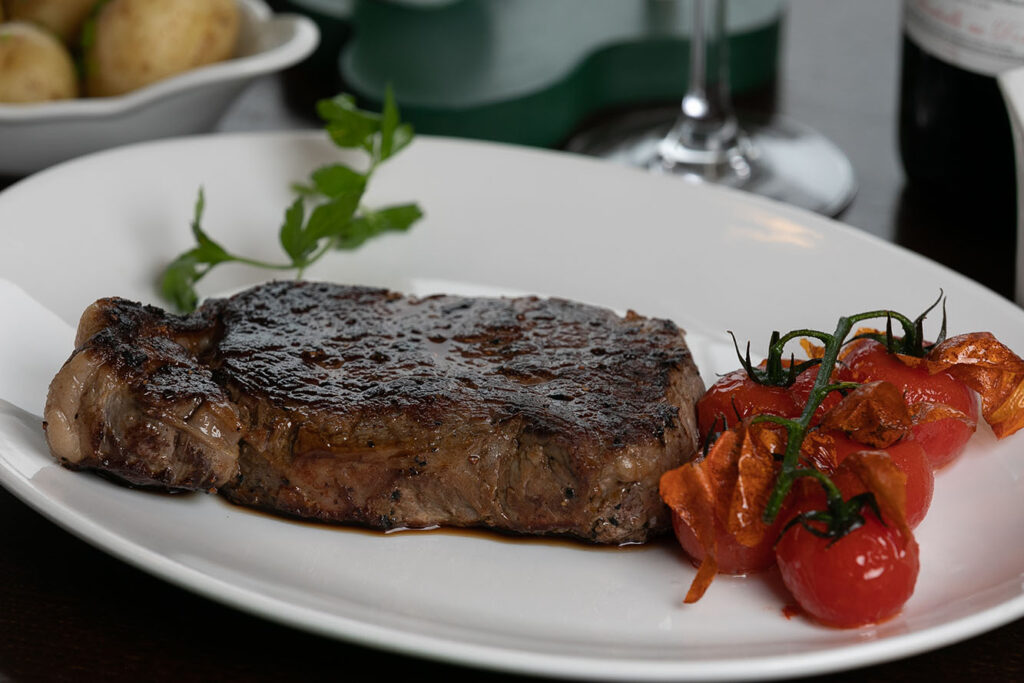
<point x="842" y="512"/>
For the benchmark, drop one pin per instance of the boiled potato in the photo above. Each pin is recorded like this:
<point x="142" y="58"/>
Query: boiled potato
<point x="138" y="42"/>
<point x="63" y="17"/>
<point x="34" y="65"/>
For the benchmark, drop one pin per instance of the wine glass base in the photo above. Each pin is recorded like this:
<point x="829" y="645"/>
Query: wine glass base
<point x="776" y="157"/>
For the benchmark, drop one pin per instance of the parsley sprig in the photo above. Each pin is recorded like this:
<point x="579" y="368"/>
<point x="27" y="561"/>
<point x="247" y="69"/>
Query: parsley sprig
<point x="327" y="212"/>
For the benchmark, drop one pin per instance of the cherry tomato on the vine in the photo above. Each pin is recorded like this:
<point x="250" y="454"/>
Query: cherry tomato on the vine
<point x="863" y="578"/>
<point x="943" y="440"/>
<point x="804" y="383"/>
<point x="908" y="455"/>
<point x="732" y="556"/>
<point x="735" y="396"/>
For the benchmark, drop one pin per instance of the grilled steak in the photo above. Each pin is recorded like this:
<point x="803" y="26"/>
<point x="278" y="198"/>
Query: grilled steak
<point x="360" y="405"/>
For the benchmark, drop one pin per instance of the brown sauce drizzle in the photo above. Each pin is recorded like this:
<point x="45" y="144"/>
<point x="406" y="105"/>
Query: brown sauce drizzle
<point x="461" y="532"/>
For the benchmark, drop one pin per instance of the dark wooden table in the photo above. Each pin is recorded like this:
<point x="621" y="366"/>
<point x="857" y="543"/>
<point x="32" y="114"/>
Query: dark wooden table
<point x="70" y="612"/>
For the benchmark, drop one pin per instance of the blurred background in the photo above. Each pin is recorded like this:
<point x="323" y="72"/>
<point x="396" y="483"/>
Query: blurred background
<point x="537" y="72"/>
<point x="528" y="72"/>
<point x="929" y="142"/>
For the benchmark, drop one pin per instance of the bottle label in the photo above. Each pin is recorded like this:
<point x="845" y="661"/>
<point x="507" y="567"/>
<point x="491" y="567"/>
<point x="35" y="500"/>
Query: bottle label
<point x="984" y="36"/>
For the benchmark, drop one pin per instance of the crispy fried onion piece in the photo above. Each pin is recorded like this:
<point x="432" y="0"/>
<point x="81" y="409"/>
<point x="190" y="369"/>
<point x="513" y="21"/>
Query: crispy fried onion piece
<point x="812" y="349"/>
<point x="818" y="449"/>
<point x="882" y="477"/>
<point x="984" y="364"/>
<point x="730" y="485"/>
<point x="874" y="414"/>
<point x="922" y="412"/>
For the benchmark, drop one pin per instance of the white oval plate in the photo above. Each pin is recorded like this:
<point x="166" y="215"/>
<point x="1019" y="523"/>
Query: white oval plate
<point x="35" y="136"/>
<point x="502" y="219"/>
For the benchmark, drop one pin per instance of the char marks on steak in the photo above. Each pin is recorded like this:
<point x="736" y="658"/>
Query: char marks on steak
<point x="360" y="405"/>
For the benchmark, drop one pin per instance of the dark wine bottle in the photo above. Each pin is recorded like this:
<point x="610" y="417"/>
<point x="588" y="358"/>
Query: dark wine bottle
<point x="954" y="130"/>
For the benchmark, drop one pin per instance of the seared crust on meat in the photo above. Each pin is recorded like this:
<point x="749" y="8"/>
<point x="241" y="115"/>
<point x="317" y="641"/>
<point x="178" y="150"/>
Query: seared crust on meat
<point x="360" y="405"/>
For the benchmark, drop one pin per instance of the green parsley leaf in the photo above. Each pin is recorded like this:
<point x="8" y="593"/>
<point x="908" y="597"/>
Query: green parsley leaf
<point x="332" y="218"/>
<point x="180" y="277"/>
<point x="348" y="126"/>
<point x="388" y="124"/>
<point x="208" y="251"/>
<point x="373" y="223"/>
<point x="291" y="232"/>
<point x="337" y="180"/>
<point x="178" y="282"/>
<point x="394" y="135"/>
<point x="403" y="136"/>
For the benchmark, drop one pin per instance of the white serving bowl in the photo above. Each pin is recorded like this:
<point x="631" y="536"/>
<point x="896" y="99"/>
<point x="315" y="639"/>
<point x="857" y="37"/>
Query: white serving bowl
<point x="34" y="136"/>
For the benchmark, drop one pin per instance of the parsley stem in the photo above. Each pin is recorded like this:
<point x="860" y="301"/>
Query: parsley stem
<point x="262" y="264"/>
<point x="300" y="268"/>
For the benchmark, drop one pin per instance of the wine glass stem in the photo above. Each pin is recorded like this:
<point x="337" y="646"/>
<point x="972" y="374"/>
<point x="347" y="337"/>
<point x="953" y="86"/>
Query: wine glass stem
<point x="706" y="131"/>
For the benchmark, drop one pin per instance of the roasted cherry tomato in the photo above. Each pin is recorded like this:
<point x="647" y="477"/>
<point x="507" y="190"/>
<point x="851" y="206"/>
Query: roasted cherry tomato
<point x="908" y="455"/>
<point x="943" y="440"/>
<point x="732" y="556"/>
<point x="804" y="383"/>
<point x="863" y="578"/>
<point x="735" y="396"/>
